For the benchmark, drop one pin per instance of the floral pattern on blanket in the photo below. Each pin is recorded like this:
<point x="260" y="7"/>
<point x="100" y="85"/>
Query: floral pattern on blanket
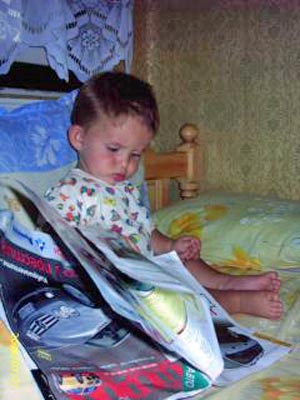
<point x="279" y="388"/>
<point x="238" y="231"/>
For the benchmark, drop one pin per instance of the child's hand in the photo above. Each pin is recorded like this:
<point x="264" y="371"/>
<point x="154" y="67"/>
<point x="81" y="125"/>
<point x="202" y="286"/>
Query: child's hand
<point x="187" y="248"/>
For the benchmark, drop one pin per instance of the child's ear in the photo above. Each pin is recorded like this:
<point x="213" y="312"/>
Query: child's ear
<point x="76" y="136"/>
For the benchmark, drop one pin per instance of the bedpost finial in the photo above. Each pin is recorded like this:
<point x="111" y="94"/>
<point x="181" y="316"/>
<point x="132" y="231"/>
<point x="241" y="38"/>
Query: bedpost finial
<point x="189" y="185"/>
<point x="189" y="133"/>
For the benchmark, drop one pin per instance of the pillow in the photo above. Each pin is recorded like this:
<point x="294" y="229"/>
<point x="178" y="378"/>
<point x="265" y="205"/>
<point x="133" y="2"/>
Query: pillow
<point x="238" y="231"/>
<point x="34" y="149"/>
<point x="33" y="137"/>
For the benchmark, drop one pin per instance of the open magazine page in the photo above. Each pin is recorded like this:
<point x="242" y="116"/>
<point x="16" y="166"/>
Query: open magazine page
<point x="162" y="277"/>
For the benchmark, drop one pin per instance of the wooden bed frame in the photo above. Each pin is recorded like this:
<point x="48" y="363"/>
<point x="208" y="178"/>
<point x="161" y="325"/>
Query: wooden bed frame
<point x="184" y="165"/>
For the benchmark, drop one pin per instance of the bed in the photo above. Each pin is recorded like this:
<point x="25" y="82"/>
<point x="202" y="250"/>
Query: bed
<point x="240" y="233"/>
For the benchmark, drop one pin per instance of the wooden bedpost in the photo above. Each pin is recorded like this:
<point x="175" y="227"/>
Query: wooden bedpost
<point x="183" y="165"/>
<point x="190" y="185"/>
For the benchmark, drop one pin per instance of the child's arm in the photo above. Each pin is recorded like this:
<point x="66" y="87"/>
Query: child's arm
<point x="160" y="243"/>
<point x="187" y="247"/>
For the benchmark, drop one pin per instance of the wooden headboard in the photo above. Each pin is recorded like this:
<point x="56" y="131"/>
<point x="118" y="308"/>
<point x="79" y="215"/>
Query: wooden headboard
<point x="184" y="164"/>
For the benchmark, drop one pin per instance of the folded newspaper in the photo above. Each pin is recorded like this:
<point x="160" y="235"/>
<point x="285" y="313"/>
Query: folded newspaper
<point x="113" y="325"/>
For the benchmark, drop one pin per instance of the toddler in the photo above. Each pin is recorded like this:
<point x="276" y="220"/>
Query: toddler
<point x="114" y="119"/>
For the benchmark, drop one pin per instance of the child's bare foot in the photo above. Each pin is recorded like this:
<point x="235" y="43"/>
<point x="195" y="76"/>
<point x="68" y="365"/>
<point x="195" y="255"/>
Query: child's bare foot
<point x="264" y="304"/>
<point x="268" y="281"/>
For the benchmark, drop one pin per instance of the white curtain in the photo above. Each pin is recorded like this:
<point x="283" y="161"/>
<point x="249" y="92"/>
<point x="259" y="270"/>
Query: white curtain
<point x="84" y="36"/>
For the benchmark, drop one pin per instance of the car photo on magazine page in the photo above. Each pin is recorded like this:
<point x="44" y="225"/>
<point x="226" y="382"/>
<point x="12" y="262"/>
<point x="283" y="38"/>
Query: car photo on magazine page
<point x="238" y="350"/>
<point x="52" y="317"/>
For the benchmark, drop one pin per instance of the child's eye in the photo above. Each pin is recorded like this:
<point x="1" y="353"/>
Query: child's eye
<point x="136" y="155"/>
<point x="113" y="148"/>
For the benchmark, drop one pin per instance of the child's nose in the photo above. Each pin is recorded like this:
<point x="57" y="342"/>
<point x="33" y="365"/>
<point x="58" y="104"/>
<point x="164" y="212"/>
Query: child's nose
<point x="125" y="162"/>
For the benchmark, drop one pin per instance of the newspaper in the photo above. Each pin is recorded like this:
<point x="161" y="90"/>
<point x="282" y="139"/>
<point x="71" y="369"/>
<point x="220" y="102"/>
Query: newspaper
<point x="138" y="319"/>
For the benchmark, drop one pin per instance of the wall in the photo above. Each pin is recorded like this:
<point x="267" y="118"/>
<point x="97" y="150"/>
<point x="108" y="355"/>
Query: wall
<point x="233" y="68"/>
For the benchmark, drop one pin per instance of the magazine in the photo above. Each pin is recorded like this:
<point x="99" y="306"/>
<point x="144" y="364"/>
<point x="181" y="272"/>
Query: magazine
<point x="116" y="325"/>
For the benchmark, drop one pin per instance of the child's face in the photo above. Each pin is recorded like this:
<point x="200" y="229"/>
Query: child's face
<point x="111" y="148"/>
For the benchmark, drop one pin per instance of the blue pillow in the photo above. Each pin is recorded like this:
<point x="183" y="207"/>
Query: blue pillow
<point x="33" y="138"/>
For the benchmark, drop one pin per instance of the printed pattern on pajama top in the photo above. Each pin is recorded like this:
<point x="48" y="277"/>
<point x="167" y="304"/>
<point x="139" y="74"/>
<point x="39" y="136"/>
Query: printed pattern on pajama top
<point x="83" y="200"/>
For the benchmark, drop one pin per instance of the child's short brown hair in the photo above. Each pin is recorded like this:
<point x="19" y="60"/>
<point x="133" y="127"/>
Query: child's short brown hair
<point x="115" y="93"/>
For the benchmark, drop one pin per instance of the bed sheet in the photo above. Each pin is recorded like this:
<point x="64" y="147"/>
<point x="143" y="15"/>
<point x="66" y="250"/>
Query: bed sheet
<point x="16" y="380"/>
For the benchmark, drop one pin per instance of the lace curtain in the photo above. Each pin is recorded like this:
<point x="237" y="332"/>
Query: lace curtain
<point x="84" y="36"/>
